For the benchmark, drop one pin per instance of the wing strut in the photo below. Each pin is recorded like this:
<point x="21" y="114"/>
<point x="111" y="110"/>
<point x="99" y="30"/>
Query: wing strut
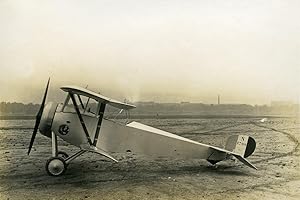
<point x="80" y="101"/>
<point x="80" y="118"/>
<point x="100" y="114"/>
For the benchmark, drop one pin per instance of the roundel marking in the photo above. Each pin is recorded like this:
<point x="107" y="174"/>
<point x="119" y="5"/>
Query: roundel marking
<point x="63" y="129"/>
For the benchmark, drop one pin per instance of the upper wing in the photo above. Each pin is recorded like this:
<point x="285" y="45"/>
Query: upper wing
<point x="97" y="97"/>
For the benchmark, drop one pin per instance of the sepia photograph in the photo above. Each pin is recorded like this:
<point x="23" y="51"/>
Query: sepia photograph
<point x="161" y="99"/>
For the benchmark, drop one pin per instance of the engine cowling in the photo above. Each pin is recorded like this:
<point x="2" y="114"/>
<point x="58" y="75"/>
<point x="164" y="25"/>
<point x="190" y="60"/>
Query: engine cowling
<point x="47" y="119"/>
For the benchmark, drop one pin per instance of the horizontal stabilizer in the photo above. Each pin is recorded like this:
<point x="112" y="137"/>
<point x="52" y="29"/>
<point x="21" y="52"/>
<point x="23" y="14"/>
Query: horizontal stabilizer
<point x="244" y="160"/>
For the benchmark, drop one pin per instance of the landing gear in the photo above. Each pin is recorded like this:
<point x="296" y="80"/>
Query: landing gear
<point x="59" y="161"/>
<point x="62" y="154"/>
<point x="56" y="166"/>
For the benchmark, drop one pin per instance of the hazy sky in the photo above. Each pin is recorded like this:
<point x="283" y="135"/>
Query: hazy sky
<point x="168" y="51"/>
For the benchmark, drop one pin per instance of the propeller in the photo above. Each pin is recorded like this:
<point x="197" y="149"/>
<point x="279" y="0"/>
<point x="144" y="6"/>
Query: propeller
<point x="38" y="118"/>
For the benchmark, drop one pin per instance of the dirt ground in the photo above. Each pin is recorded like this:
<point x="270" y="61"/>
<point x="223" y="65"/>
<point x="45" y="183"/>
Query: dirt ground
<point x="91" y="176"/>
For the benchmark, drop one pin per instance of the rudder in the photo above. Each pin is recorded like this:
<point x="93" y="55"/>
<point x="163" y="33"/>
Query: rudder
<point x="242" y="145"/>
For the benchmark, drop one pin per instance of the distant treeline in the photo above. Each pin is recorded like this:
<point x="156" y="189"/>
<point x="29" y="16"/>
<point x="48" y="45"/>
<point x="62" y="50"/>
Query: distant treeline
<point x="7" y="108"/>
<point x="214" y="109"/>
<point x="152" y="108"/>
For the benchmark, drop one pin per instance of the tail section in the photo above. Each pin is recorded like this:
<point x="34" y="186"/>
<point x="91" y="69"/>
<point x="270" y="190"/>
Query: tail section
<point x="239" y="146"/>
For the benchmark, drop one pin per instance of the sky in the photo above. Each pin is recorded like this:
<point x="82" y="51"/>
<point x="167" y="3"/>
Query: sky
<point x="158" y="50"/>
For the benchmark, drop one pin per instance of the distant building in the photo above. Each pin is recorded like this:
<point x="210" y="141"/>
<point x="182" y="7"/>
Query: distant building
<point x="185" y="102"/>
<point x="145" y="102"/>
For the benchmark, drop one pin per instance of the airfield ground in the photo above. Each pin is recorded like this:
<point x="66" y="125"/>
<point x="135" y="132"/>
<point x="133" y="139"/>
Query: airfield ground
<point x="277" y="158"/>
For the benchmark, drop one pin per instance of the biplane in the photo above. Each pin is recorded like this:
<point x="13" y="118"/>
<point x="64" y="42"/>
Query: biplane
<point x="83" y="124"/>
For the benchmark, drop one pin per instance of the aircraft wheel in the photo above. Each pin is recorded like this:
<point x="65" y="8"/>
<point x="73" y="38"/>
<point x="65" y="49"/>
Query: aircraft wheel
<point x="62" y="154"/>
<point x="56" y="166"/>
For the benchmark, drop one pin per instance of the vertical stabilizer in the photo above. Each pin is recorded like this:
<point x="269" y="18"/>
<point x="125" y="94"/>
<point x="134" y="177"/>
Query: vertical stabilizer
<point x="242" y="145"/>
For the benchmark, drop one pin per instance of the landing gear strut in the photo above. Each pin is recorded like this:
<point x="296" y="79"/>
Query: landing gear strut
<point x="62" y="154"/>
